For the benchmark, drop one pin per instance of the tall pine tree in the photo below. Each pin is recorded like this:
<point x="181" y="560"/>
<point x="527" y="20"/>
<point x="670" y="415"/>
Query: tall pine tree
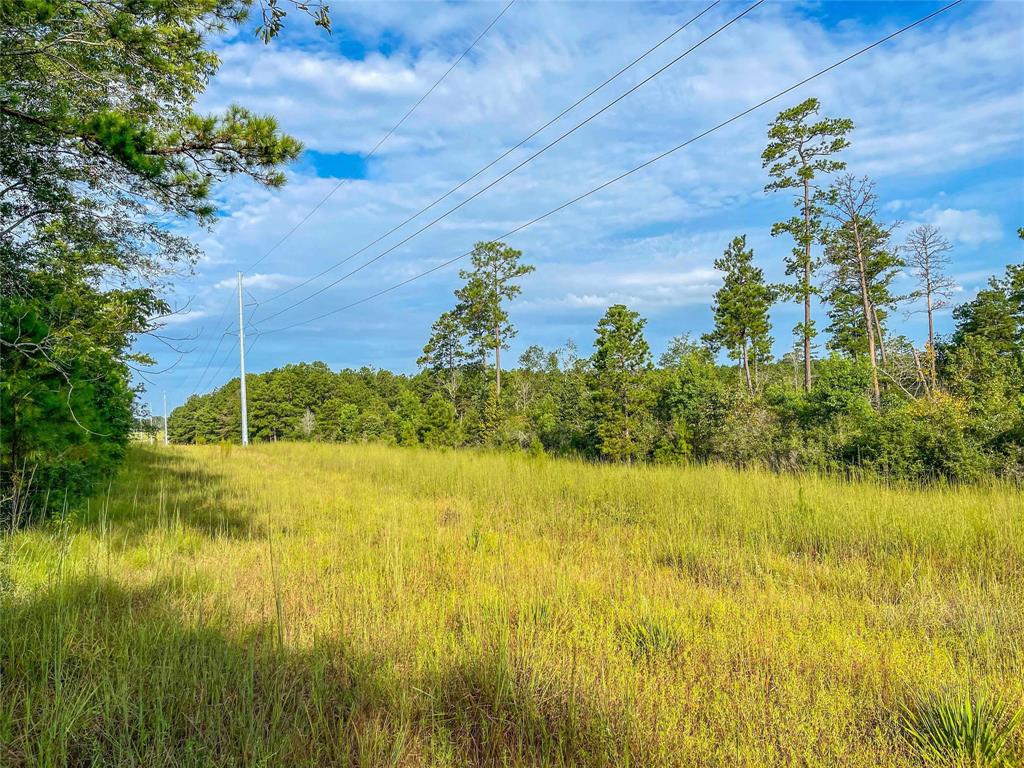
<point x="489" y="285"/>
<point x="798" y="151"/>
<point x="741" y="310"/>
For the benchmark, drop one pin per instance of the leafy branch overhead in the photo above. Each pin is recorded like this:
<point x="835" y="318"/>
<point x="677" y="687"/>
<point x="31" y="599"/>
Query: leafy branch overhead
<point x="100" y="145"/>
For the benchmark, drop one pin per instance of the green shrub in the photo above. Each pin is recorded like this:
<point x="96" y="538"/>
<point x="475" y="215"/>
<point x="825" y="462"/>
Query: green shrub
<point x="925" y="439"/>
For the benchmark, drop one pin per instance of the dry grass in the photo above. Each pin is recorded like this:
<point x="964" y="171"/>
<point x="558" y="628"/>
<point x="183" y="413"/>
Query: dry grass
<point x="362" y="605"/>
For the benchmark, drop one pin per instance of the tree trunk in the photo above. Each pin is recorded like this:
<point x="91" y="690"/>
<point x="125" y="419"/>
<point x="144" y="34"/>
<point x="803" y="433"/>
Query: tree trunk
<point x="497" y="364"/>
<point x="868" y="315"/>
<point x="746" y="369"/>
<point x="931" y="337"/>
<point x="920" y="371"/>
<point x="881" y="336"/>
<point x="807" y="285"/>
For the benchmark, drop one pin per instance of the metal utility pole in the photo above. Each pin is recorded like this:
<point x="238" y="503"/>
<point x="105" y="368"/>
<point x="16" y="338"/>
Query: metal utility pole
<point x="166" y="441"/>
<point x="241" y="363"/>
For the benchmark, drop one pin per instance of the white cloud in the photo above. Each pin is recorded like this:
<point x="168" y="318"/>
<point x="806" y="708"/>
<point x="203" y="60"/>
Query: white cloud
<point x="946" y="96"/>
<point x="970" y="227"/>
<point x="269" y="282"/>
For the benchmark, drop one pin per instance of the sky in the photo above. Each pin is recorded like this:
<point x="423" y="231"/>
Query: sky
<point x="939" y="126"/>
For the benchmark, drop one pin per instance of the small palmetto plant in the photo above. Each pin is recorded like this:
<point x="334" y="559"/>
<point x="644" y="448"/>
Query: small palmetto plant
<point x="960" y="730"/>
<point x="647" y="638"/>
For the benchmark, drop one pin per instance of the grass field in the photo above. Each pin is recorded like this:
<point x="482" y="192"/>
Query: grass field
<point x="295" y="605"/>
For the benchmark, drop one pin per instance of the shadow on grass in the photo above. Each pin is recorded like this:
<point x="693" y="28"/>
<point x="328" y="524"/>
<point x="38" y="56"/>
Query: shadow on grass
<point x="160" y="490"/>
<point x="93" y="674"/>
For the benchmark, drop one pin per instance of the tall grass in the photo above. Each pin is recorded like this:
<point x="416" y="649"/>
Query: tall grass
<point x="370" y="606"/>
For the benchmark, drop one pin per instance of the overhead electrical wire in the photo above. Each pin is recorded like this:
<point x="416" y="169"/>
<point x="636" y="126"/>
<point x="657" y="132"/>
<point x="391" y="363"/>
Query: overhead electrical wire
<point x="630" y="172"/>
<point x="342" y="182"/>
<point x="515" y="168"/>
<point x="380" y="142"/>
<point x="498" y="159"/>
<point x="223" y="360"/>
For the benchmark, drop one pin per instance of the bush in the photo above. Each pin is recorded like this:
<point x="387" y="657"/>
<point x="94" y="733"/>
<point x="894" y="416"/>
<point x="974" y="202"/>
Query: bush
<point x="924" y="439"/>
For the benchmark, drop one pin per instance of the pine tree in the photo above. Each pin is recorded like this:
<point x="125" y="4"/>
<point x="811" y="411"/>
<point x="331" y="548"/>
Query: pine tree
<point x="444" y="354"/>
<point x="858" y="249"/>
<point x="797" y="152"/>
<point x="741" y="310"/>
<point x="489" y="285"/>
<point x="621" y="394"/>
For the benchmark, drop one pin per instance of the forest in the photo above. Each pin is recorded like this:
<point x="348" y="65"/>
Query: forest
<point x="617" y="405"/>
<point x="950" y="409"/>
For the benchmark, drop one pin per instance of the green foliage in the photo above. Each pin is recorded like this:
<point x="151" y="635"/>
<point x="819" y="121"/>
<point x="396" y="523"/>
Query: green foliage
<point x="65" y="417"/>
<point x="799" y="150"/>
<point x="961" y="730"/>
<point x="99" y="148"/>
<point x="740" y="309"/>
<point x="926" y="439"/>
<point x="995" y="315"/>
<point x="840" y="389"/>
<point x="621" y="392"/>
<point x="440" y="427"/>
<point x="694" y="403"/>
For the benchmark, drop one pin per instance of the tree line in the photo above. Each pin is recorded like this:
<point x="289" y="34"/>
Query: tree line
<point x="868" y="403"/>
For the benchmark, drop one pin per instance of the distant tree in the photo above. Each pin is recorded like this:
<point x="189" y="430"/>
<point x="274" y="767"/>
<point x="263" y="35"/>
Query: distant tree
<point x="308" y="423"/>
<point x="928" y="257"/>
<point x="995" y="316"/>
<point x="621" y="394"/>
<point x="439" y="426"/>
<point x="741" y="309"/>
<point x="535" y="367"/>
<point x="408" y="414"/>
<point x="572" y="404"/>
<point x="679" y="349"/>
<point x="444" y="353"/>
<point x="798" y="150"/>
<point x="692" y="403"/>
<point x="858" y="247"/>
<point x="844" y="296"/>
<point x="489" y="285"/>
<point x="337" y="420"/>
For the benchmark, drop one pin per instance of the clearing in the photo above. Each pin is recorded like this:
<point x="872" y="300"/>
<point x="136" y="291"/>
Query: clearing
<point x="357" y="604"/>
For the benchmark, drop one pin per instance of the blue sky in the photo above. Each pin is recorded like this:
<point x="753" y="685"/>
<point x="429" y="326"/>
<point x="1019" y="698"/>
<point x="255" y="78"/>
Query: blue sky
<point x="939" y="115"/>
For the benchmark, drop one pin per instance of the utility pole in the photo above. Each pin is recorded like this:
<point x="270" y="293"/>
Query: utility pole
<point x="241" y="361"/>
<point x="166" y="441"/>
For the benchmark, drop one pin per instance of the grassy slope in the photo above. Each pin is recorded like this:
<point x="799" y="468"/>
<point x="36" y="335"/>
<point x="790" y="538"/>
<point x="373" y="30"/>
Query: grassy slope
<point x="312" y="605"/>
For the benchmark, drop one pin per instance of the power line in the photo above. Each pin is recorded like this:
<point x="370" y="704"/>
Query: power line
<point x="383" y="139"/>
<point x="213" y="354"/>
<point x="337" y="186"/>
<point x="499" y="158"/>
<point x="224" y="359"/>
<point x="630" y="172"/>
<point x="515" y="168"/>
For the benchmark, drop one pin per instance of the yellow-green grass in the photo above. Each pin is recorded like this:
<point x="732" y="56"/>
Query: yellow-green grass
<point x="294" y="605"/>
